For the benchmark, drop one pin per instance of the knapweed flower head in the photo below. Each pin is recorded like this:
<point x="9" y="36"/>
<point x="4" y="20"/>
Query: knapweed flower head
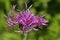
<point x="26" y="20"/>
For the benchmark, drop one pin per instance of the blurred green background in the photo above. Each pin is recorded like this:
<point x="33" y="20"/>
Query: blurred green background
<point x="50" y="8"/>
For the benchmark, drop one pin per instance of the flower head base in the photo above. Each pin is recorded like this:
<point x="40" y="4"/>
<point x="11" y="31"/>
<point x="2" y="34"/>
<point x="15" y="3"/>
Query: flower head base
<point x="26" y="20"/>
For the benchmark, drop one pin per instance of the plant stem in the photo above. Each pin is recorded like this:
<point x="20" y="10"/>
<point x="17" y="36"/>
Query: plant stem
<point x="25" y="35"/>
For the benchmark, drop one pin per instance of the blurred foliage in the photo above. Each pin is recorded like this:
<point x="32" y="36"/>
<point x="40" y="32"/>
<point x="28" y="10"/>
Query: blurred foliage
<point x="50" y="8"/>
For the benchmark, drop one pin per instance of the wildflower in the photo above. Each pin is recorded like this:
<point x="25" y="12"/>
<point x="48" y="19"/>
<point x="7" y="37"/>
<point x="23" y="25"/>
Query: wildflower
<point x="26" y="20"/>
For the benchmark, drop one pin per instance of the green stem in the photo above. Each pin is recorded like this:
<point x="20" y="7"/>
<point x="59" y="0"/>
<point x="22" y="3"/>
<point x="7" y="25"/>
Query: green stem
<point x="25" y="35"/>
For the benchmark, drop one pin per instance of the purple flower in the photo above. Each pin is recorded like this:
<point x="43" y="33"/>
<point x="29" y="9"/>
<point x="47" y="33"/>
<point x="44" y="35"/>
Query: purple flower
<point x="26" y="20"/>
